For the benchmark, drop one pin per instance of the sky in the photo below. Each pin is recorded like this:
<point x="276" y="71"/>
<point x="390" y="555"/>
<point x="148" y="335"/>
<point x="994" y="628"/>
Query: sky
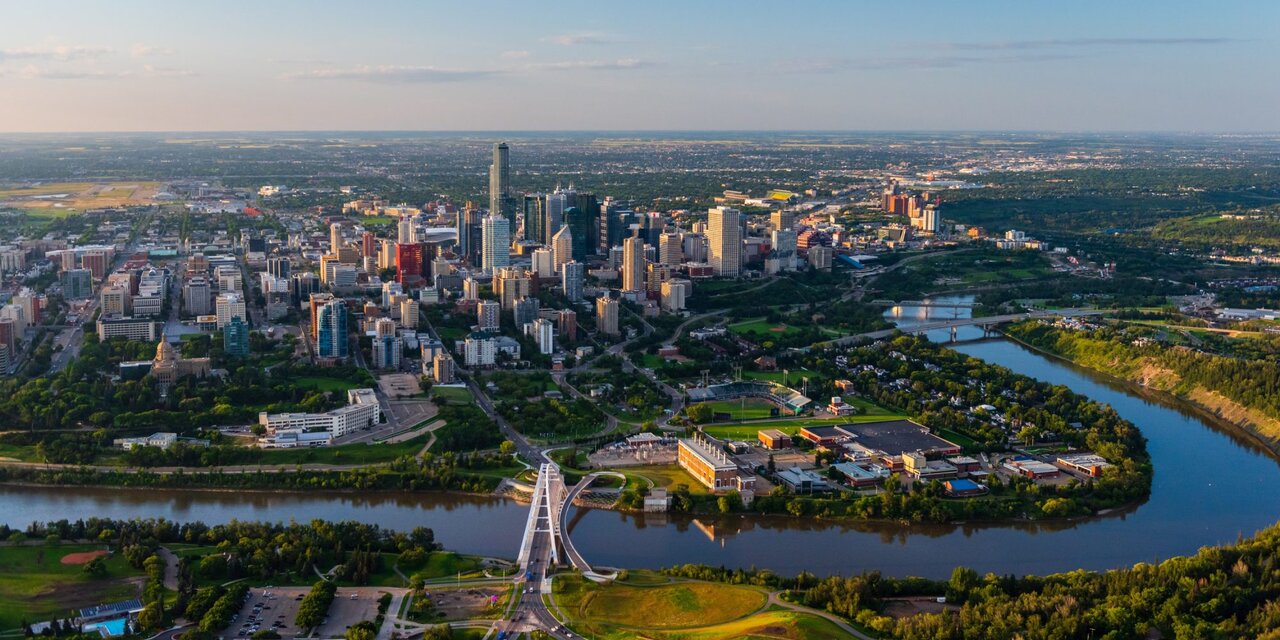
<point x="480" y="65"/>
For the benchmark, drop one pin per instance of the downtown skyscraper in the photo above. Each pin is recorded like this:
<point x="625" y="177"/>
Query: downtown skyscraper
<point x="495" y="242"/>
<point x="724" y="235"/>
<point x="500" y="200"/>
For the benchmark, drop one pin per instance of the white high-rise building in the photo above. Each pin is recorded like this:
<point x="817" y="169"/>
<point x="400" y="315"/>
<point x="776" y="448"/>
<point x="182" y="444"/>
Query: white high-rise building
<point x="562" y="247"/>
<point x="404" y="231"/>
<point x="724" y="236"/>
<point x="495" y="241"/>
<point x="544" y="331"/>
<point x="633" y="264"/>
<point x="228" y="306"/>
<point x="543" y="264"/>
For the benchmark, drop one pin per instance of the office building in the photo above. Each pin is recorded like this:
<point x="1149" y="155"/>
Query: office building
<point x="694" y="247"/>
<point x="197" y="296"/>
<point x="409" y="264"/>
<point x="500" y="201"/>
<point x="724" y="240"/>
<point x="572" y="276"/>
<point x="633" y="267"/>
<point x="670" y="248"/>
<point x="129" y="328"/>
<point x="782" y="220"/>
<point x="115" y="300"/>
<point x="562" y="247"/>
<point x="543" y="264"/>
<point x="77" y="284"/>
<point x="511" y="284"/>
<point x="331" y="330"/>
<point x="279" y="267"/>
<point x="97" y="261"/>
<point x="235" y="337"/>
<point x="931" y="219"/>
<point x="712" y="467"/>
<point x="228" y="306"/>
<point x="470" y="289"/>
<point x="607" y="315"/>
<point x="495" y="250"/>
<point x="362" y="411"/>
<point x="820" y="257"/>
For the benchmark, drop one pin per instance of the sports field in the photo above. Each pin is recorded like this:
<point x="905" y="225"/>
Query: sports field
<point x="762" y="327"/>
<point x="744" y="408"/>
<point x="35" y="583"/>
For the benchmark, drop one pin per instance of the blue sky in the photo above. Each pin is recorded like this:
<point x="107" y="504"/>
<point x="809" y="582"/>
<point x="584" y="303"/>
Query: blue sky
<point x="488" y="65"/>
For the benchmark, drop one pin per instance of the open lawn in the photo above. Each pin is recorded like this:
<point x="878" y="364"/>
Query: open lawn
<point x="66" y="196"/>
<point x="444" y="564"/>
<point x="378" y="221"/>
<point x="667" y="477"/>
<point x="35" y="585"/>
<point x="454" y="395"/>
<point x="344" y="454"/>
<point x="762" y="327"/>
<point x="770" y="625"/>
<point x="606" y="610"/>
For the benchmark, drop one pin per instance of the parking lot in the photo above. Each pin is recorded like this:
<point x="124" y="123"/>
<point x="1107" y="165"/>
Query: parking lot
<point x="268" y="608"/>
<point x="351" y="605"/>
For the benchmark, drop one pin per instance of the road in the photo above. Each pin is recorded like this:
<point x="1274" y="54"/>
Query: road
<point x="531" y="612"/>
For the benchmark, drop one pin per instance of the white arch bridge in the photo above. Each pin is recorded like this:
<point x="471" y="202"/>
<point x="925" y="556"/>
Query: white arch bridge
<point x="548" y="516"/>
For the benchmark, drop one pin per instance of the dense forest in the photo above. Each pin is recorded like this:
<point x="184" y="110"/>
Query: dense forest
<point x="1199" y="376"/>
<point x="1221" y="592"/>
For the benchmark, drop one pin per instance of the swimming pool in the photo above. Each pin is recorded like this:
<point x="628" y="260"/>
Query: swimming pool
<point x="108" y="628"/>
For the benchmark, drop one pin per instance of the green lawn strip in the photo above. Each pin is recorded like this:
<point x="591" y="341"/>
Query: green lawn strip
<point x="665" y="477"/>
<point x="378" y="453"/>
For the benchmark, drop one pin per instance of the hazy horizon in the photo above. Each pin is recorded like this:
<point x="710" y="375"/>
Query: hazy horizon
<point x="141" y="66"/>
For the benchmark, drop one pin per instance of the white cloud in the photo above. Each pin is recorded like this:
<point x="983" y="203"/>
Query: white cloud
<point x="62" y="52"/>
<point x="576" y="39"/>
<point x="392" y="74"/>
<point x="146" y="51"/>
<point x="623" y="63"/>
<point x="515" y="55"/>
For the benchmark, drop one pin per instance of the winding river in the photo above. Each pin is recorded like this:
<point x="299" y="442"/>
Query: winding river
<point x="1210" y="487"/>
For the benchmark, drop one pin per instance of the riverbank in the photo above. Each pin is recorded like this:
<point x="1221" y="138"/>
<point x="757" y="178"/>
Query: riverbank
<point x="1145" y="379"/>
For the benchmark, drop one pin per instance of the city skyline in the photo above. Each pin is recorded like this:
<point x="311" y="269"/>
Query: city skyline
<point x="294" y="66"/>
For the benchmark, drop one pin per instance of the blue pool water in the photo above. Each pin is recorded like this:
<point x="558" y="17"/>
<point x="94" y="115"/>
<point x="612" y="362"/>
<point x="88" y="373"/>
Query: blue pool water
<point x="108" y="627"/>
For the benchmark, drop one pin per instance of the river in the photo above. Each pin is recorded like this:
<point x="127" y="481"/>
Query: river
<point x="1209" y="488"/>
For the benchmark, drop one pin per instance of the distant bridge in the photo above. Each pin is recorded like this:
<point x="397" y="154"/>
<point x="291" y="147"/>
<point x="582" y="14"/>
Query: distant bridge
<point x="923" y="303"/>
<point x="987" y="323"/>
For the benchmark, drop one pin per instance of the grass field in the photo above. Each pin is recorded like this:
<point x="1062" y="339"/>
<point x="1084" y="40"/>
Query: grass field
<point x="35" y="585"/>
<point x="745" y="408"/>
<point x="667" y="477"/>
<point x="454" y="395"/>
<point x="623" y="611"/>
<point x="69" y="197"/>
<point x="762" y="327"/>
<point x="444" y="564"/>
<point x="770" y="625"/>
<point x="344" y="454"/>
<point x="325" y="384"/>
<point x="747" y="432"/>
<point x="378" y="221"/>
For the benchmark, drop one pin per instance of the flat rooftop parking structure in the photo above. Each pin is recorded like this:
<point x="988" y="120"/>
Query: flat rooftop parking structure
<point x="897" y="436"/>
